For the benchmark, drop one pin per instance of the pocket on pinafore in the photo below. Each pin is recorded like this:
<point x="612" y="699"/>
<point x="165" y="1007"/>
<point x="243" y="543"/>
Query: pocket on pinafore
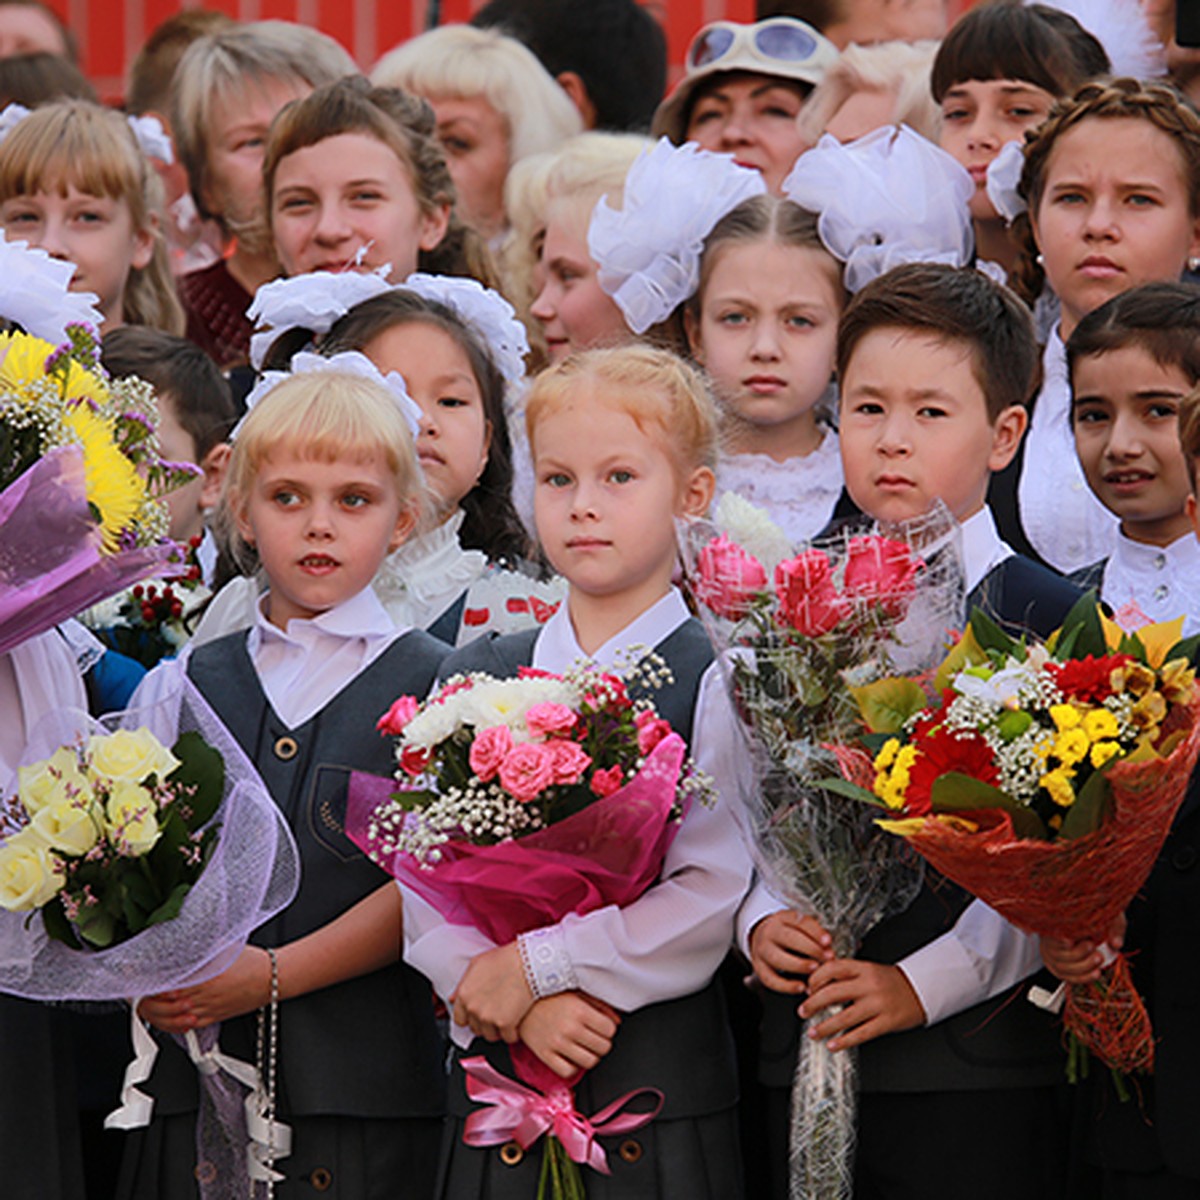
<point x="324" y="811"/>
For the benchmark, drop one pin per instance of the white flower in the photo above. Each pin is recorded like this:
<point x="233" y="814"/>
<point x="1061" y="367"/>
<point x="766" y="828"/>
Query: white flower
<point x="30" y="875"/>
<point x="751" y="528"/>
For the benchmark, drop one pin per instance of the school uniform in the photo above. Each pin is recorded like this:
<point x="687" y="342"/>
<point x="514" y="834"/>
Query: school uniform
<point x="1148" y="1146"/>
<point x="1041" y="500"/>
<point x="985" y="1058"/>
<point x="654" y="960"/>
<point x="1141" y="583"/>
<point x="360" y="1077"/>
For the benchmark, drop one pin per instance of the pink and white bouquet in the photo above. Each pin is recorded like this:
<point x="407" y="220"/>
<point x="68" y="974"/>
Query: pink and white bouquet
<point x="519" y="801"/>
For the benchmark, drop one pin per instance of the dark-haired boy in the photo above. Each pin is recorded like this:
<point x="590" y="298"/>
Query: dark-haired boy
<point x="196" y="413"/>
<point x="936" y="366"/>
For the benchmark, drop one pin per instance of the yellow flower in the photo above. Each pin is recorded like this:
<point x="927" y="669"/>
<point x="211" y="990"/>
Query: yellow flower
<point x="23" y="362"/>
<point x="130" y="754"/>
<point x="1149" y="711"/>
<point x="887" y="755"/>
<point x="1064" y="716"/>
<point x="1071" y="747"/>
<point x="132" y="819"/>
<point x="1102" y="752"/>
<point x="52" y="780"/>
<point x="1058" y="784"/>
<point x="114" y="487"/>
<point x="1100" y="723"/>
<point x="1178" y="681"/>
<point x="30" y="875"/>
<point x="1133" y="678"/>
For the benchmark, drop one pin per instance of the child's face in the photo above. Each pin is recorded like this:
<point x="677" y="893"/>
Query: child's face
<point x="321" y="528"/>
<point x="979" y="116"/>
<point x="347" y="196"/>
<point x="575" y="312"/>
<point x="605" y="501"/>
<point x="915" y="428"/>
<point x="96" y="233"/>
<point x="752" y="117"/>
<point x="1115" y="213"/>
<point x="455" y="433"/>
<point x="237" y="137"/>
<point x="767" y="333"/>
<point x="1125" y="414"/>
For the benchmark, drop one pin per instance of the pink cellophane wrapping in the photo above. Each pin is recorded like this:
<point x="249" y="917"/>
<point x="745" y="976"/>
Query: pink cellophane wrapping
<point x="51" y="562"/>
<point x="609" y="853"/>
<point x="1075" y="889"/>
<point x="252" y="874"/>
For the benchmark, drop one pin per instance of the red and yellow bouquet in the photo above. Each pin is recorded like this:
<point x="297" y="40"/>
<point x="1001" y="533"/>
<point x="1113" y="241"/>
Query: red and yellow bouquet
<point x="1043" y="779"/>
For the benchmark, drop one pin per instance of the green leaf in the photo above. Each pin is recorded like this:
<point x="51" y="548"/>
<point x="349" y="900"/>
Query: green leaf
<point x="955" y="792"/>
<point x="1091" y="803"/>
<point x="166" y="862"/>
<point x="989" y="636"/>
<point x="139" y="898"/>
<point x="54" y="918"/>
<point x="169" y="908"/>
<point x="1189" y="648"/>
<point x="888" y="703"/>
<point x="1084" y="617"/>
<point x="852" y="791"/>
<point x="201" y="766"/>
<point x="96" y="925"/>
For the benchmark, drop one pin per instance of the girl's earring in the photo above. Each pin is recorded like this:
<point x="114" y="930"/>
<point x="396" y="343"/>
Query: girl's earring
<point x="1040" y="260"/>
<point x="1193" y="263"/>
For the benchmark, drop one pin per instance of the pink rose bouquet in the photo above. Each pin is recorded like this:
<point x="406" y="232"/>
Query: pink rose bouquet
<point x="520" y="801"/>
<point x="806" y="630"/>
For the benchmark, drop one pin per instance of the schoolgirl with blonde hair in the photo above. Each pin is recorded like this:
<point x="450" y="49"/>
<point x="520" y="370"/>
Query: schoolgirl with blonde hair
<point x="74" y="181"/>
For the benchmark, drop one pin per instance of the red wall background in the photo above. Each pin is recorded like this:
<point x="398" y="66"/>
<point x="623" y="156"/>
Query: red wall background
<point x="110" y="31"/>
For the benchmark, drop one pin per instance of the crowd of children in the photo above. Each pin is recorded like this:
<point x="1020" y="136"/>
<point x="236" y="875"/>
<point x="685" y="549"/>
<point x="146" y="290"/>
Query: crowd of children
<point x="453" y="372"/>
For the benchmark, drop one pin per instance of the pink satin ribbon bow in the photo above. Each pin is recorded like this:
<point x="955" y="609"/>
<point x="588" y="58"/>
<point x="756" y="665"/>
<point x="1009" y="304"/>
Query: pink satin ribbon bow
<point x="521" y="1114"/>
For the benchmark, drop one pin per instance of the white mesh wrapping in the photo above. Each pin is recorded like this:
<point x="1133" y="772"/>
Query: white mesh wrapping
<point x="253" y="873"/>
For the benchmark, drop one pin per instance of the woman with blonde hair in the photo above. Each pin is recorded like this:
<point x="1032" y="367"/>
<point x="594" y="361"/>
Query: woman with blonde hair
<point x="495" y="105"/>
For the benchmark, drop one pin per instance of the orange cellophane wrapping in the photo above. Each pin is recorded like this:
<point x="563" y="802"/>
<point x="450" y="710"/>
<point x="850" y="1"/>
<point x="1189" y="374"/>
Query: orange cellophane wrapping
<point x="1075" y="889"/>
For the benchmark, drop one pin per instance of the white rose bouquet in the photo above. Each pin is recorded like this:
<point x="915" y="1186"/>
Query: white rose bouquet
<point x="110" y="834"/>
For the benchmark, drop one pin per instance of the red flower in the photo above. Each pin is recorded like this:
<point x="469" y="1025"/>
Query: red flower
<point x="727" y="578"/>
<point x="1087" y="679"/>
<point x="414" y="760"/>
<point x="604" y="783"/>
<point x="569" y="759"/>
<point x="488" y="751"/>
<point x="939" y="754"/>
<point x="808" y="600"/>
<point x="651" y="730"/>
<point x="881" y="571"/>
<point x="402" y="711"/>
<point x="544" y="719"/>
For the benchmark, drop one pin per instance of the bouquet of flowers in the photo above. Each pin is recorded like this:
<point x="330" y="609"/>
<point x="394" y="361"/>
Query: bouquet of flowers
<point x="153" y="619"/>
<point x="1043" y="779"/>
<point x="803" y="633"/>
<point x="149" y="867"/>
<point x="522" y="800"/>
<point x="80" y="482"/>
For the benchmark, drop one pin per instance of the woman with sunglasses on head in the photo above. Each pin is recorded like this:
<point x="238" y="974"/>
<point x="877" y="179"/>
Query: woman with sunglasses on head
<point x="744" y="88"/>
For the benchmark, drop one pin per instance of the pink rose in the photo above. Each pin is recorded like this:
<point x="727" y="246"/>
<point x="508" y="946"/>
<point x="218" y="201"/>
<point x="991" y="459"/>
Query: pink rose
<point x="569" y="761"/>
<point x="808" y="599"/>
<point x="604" y="783"/>
<point x="488" y="751"/>
<point x="881" y="571"/>
<point x="542" y="720"/>
<point x="651" y="730"/>
<point x="527" y="771"/>
<point x="414" y="760"/>
<point x="402" y="711"/>
<point x="727" y="578"/>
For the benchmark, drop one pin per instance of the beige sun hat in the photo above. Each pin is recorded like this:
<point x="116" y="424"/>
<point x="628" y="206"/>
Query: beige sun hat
<point x="778" y="46"/>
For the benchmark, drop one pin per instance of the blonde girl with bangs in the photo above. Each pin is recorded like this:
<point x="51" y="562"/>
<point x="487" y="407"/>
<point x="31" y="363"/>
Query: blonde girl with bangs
<point x="323" y="483"/>
<point x="624" y="443"/>
<point x="74" y="182"/>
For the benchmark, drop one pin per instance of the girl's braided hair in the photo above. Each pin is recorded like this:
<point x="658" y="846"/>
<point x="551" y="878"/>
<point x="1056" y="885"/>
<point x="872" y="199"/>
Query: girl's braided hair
<point x="1157" y="103"/>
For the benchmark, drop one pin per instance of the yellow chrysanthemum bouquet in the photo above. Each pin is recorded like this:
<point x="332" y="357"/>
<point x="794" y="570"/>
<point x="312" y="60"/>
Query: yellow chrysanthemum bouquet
<point x="81" y="481"/>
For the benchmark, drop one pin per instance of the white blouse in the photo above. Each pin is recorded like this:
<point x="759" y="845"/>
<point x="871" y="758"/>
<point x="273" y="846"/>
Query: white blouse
<point x="669" y="941"/>
<point x="1062" y="518"/>
<point x="799" y="494"/>
<point x="1144" y="584"/>
<point x="303" y="667"/>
